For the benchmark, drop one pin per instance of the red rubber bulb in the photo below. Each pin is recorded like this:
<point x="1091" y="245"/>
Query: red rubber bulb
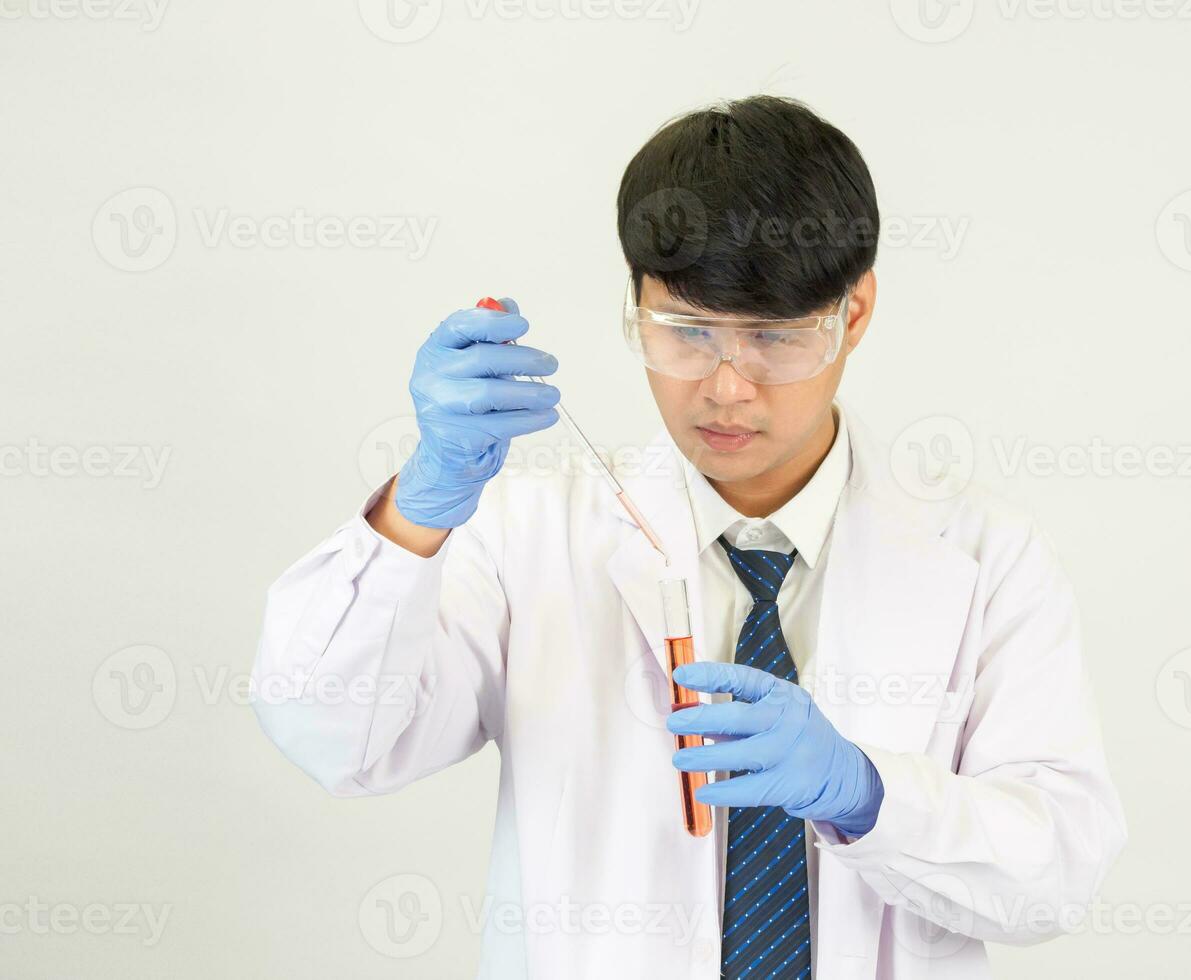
<point x="488" y="303"/>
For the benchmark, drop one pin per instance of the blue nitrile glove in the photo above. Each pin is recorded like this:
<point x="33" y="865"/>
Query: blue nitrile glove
<point x="794" y="756"/>
<point x="469" y="407"/>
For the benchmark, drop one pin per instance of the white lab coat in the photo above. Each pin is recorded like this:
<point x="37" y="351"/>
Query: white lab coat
<point x="948" y="650"/>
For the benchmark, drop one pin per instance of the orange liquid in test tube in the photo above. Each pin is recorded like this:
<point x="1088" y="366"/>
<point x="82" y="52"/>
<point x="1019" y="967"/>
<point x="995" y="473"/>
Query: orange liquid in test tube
<point x="680" y="649"/>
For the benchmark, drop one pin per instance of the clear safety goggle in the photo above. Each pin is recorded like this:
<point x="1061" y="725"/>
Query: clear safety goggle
<point x="765" y="351"/>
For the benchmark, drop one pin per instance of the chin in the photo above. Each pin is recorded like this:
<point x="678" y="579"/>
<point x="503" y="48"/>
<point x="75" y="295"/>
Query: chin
<point x="725" y="467"/>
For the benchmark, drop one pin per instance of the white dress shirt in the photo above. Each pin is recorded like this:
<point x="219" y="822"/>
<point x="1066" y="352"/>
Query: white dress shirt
<point x="804" y="522"/>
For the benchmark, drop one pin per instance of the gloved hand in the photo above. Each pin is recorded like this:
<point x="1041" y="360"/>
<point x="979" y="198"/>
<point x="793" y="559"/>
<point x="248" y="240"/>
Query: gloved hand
<point x="794" y="756"/>
<point x="468" y="409"/>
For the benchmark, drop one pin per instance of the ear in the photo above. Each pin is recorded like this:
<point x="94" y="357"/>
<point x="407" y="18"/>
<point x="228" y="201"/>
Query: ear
<point x="860" y="308"/>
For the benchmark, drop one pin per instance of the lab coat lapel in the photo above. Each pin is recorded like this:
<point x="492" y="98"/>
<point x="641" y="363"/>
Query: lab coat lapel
<point x="896" y="598"/>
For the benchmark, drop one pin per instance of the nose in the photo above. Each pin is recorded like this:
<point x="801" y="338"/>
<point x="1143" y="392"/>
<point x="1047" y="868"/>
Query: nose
<point x="726" y="386"/>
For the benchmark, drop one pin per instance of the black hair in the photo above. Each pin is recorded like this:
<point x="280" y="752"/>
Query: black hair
<point x="755" y="207"/>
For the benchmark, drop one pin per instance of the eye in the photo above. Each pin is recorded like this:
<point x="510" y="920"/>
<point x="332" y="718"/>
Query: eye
<point x="772" y="338"/>
<point x="690" y="333"/>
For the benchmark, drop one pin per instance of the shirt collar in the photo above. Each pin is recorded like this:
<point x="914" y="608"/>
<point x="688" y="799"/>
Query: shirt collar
<point x="803" y="522"/>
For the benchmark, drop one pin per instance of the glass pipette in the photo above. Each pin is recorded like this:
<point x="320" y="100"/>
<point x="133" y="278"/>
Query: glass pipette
<point x="626" y="502"/>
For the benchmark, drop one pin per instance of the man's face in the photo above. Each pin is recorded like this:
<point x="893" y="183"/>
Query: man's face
<point x="734" y="430"/>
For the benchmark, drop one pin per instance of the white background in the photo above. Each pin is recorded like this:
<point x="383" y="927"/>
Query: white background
<point x="1055" y="146"/>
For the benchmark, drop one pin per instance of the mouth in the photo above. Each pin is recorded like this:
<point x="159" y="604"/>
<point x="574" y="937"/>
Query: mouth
<point x="727" y="438"/>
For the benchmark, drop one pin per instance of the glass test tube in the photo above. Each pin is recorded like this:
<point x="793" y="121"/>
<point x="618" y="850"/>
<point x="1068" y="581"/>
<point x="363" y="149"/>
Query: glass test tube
<point x="680" y="649"/>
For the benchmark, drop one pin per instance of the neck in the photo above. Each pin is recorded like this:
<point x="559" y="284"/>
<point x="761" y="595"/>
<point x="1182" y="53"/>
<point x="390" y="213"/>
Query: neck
<point x="761" y="495"/>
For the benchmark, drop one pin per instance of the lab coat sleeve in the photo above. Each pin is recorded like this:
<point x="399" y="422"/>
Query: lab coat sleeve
<point x="1013" y="845"/>
<point x="377" y="666"/>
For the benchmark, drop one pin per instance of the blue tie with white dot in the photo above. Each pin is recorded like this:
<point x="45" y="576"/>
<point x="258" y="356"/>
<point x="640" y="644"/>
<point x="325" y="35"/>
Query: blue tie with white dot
<point x="766" y="930"/>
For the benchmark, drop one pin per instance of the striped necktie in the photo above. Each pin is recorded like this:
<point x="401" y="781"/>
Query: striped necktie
<point x="766" y="929"/>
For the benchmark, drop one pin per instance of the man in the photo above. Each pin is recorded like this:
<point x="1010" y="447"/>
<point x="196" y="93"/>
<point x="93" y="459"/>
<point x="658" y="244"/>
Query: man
<point x="903" y="756"/>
